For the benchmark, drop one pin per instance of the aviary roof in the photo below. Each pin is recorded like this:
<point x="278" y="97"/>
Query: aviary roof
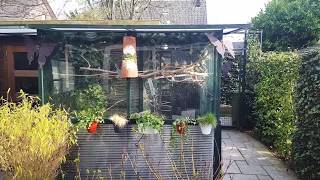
<point x="31" y="27"/>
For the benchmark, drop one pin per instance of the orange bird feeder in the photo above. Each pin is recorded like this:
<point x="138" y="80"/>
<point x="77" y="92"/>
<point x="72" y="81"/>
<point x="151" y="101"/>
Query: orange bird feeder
<point x="129" y="68"/>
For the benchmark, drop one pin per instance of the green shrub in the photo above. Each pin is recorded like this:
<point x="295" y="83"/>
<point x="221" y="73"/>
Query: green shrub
<point x="34" y="139"/>
<point x="85" y="105"/>
<point x="306" y="142"/>
<point x="273" y="102"/>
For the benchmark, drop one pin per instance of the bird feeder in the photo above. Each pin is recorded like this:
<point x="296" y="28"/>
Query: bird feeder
<point x="129" y="68"/>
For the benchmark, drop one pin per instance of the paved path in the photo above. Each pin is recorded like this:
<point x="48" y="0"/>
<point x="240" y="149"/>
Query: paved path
<point x="245" y="158"/>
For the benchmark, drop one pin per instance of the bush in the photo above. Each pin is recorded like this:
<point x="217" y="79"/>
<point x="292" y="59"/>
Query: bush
<point x="306" y="142"/>
<point x="289" y="24"/>
<point x="273" y="102"/>
<point x="34" y="139"/>
<point x="85" y="105"/>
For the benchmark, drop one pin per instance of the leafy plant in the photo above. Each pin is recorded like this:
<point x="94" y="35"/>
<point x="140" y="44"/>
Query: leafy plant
<point x="275" y="78"/>
<point x="34" y="139"/>
<point x="229" y="78"/>
<point x="130" y="57"/>
<point x="85" y="105"/>
<point x="147" y="119"/>
<point x="180" y="128"/>
<point x="289" y="24"/>
<point x="208" y="118"/>
<point x="306" y="141"/>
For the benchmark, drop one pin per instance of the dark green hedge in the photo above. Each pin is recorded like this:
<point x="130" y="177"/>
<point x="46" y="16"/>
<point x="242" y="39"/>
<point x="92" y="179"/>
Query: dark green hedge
<point x="275" y="77"/>
<point x="306" y="144"/>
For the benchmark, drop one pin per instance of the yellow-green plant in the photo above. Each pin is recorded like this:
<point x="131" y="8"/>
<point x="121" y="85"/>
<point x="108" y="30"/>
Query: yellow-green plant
<point x="34" y="139"/>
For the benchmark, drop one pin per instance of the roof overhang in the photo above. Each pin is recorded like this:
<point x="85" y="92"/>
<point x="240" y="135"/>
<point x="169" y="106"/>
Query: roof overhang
<point x="14" y="30"/>
<point x="31" y="27"/>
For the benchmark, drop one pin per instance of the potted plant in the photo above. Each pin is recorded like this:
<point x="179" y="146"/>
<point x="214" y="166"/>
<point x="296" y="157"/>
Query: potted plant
<point x="148" y="123"/>
<point x="90" y="119"/>
<point x="88" y="107"/>
<point x="129" y="68"/>
<point x="181" y="125"/>
<point x="206" y="122"/>
<point x="118" y="122"/>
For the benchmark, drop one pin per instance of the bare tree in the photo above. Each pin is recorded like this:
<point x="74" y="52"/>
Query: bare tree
<point x="113" y="9"/>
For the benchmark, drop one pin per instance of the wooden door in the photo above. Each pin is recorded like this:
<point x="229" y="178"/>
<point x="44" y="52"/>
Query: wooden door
<point x="21" y="74"/>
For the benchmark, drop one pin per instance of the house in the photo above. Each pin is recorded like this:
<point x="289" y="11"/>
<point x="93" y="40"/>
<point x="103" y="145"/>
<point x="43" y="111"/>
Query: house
<point x="26" y="9"/>
<point x="165" y="11"/>
<point x="177" y="11"/>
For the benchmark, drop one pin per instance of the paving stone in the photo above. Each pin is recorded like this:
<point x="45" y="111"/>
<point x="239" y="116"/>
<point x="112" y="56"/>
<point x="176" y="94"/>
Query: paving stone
<point x="250" y="169"/>
<point x="280" y="172"/>
<point x="226" y="177"/>
<point x="232" y="154"/>
<point x="232" y="168"/>
<point x="282" y="176"/>
<point x="258" y="161"/>
<point x="251" y="160"/>
<point x="275" y="168"/>
<point x="225" y="135"/>
<point x="243" y="177"/>
<point x="262" y="177"/>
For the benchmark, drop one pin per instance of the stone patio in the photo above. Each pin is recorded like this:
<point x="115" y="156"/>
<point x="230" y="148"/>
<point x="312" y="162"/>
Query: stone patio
<point x="245" y="158"/>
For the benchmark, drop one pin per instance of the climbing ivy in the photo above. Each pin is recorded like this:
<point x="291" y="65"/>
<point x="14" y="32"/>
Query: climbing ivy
<point x="306" y="142"/>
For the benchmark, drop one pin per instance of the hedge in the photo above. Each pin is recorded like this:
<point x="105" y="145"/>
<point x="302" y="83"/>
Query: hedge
<point x="275" y="76"/>
<point x="306" y="143"/>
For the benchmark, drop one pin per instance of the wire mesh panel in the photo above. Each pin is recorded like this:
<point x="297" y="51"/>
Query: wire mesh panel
<point x="177" y="77"/>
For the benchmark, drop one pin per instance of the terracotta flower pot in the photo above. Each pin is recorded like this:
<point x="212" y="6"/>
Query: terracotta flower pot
<point x="92" y="128"/>
<point x="181" y="128"/>
<point x="129" y="68"/>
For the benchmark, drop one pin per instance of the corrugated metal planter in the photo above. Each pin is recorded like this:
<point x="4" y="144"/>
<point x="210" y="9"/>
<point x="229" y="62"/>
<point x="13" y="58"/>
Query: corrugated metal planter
<point x="134" y="156"/>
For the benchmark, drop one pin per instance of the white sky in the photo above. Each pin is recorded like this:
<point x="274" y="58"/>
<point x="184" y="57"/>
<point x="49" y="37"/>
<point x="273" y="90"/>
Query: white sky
<point x="233" y="11"/>
<point x="219" y="11"/>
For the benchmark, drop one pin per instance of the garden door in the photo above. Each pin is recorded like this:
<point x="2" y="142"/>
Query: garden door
<point x="21" y="73"/>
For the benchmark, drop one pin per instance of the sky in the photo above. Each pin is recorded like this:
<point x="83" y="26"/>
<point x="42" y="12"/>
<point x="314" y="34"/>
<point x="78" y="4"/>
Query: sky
<point x="233" y="11"/>
<point x="218" y="11"/>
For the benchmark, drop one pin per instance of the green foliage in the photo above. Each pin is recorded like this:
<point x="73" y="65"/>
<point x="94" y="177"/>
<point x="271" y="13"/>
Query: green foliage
<point x="229" y="79"/>
<point x="276" y="75"/>
<point x="208" y="118"/>
<point x="34" y="139"/>
<point x="289" y="24"/>
<point x="306" y="142"/>
<point x="183" y="122"/>
<point x="147" y="119"/>
<point x="85" y="105"/>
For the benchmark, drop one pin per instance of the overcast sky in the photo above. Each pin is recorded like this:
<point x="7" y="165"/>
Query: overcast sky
<point x="219" y="11"/>
<point x="233" y="11"/>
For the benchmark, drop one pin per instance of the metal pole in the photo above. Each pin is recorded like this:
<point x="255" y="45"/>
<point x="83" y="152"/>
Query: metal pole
<point x="42" y="90"/>
<point x="217" y="132"/>
<point x="128" y="97"/>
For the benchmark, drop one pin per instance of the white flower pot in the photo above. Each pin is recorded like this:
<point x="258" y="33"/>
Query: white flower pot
<point x="205" y="128"/>
<point x="148" y="130"/>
